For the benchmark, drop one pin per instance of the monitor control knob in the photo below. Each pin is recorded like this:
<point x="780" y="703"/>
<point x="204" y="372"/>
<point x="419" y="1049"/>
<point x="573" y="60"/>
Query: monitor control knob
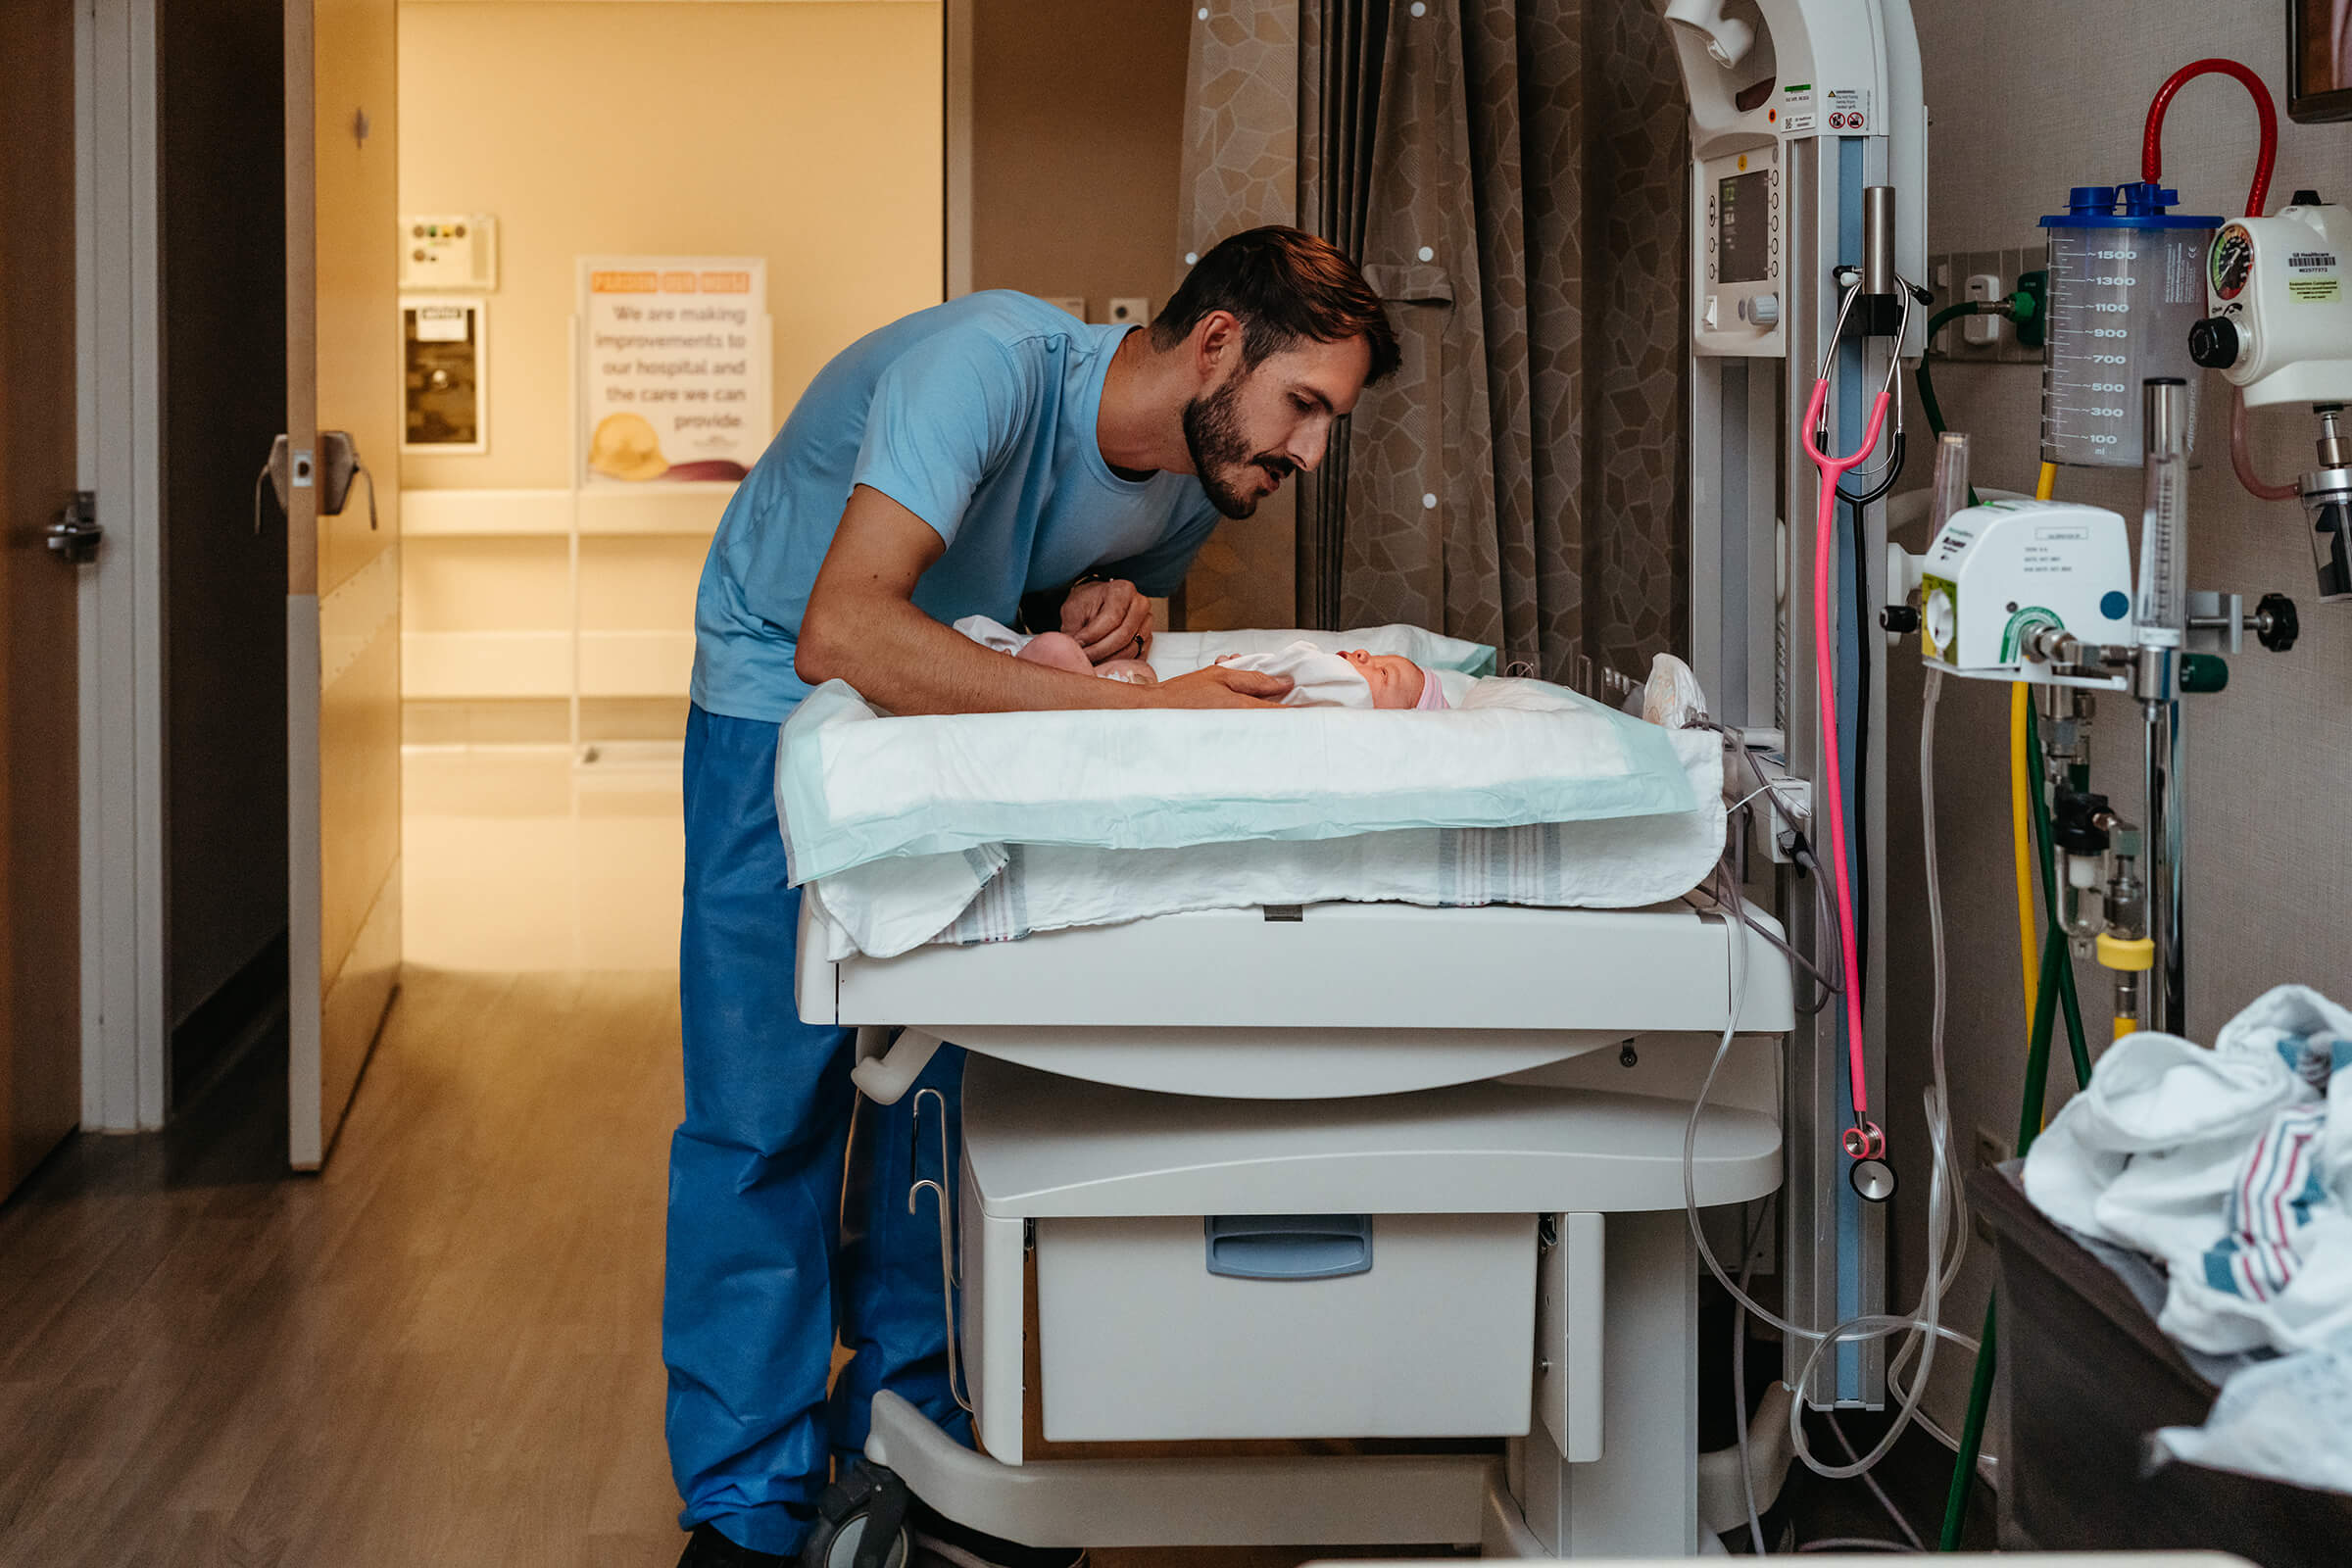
<point x="1764" y="310"/>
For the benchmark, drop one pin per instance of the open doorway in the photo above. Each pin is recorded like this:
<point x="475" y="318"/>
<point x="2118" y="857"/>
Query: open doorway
<point x="770" y="177"/>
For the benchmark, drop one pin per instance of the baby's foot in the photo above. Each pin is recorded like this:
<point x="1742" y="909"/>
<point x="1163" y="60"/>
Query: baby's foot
<point x="1133" y="671"/>
<point x="1057" y="651"/>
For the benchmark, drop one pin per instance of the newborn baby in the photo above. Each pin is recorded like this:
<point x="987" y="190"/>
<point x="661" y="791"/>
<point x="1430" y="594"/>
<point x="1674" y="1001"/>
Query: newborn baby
<point x="1355" y="678"/>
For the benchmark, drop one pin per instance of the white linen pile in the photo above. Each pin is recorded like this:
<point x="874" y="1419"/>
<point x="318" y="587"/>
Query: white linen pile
<point x="2232" y="1167"/>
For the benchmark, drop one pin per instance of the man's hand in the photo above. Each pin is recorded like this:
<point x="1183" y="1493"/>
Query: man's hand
<point x="1110" y="621"/>
<point x="1220" y="687"/>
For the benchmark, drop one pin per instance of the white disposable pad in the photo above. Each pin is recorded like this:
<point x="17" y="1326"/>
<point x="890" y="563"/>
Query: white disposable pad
<point x="1530" y="796"/>
<point x="853" y="787"/>
<point x="1001" y="892"/>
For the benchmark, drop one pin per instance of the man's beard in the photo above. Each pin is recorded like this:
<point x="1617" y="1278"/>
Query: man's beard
<point x="1221" y="458"/>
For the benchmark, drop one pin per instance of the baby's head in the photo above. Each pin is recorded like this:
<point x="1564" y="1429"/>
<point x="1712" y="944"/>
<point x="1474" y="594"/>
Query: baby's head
<point x="1395" y="680"/>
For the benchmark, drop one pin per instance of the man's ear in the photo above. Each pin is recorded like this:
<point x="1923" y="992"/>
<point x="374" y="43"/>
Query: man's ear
<point x="1216" y="342"/>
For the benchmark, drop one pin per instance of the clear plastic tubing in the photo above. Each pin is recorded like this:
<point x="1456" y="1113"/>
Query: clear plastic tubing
<point x="2127" y="282"/>
<point x="2162" y="612"/>
<point x="1951" y="480"/>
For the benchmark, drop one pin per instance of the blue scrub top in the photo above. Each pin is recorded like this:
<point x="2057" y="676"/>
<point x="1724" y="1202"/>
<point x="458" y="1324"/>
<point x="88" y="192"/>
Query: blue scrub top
<point x="978" y="417"/>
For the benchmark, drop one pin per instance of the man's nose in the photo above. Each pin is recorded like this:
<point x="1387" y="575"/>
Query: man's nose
<point x="1312" y="442"/>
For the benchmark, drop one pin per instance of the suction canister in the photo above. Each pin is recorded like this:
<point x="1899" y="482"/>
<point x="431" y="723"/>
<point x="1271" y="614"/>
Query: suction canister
<point x="2126" y="283"/>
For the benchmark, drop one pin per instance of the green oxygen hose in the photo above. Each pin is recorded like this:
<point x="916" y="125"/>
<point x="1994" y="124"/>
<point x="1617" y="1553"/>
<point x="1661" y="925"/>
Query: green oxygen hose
<point x="1926" y="388"/>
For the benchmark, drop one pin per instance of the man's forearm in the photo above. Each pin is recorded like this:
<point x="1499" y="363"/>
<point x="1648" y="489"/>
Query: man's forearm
<point x="903" y="660"/>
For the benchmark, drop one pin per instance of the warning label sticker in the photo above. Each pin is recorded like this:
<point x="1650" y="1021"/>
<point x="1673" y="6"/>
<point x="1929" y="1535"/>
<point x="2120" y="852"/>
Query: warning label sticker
<point x="1849" y="108"/>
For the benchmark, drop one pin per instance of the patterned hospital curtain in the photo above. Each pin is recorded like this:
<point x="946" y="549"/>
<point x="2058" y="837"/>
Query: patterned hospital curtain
<point x="1240" y="171"/>
<point x="1508" y="172"/>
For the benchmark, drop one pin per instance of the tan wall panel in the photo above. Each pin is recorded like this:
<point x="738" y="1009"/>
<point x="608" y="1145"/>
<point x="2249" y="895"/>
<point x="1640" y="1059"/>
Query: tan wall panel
<point x="806" y="133"/>
<point x="1077" y="135"/>
<point x="640" y="584"/>
<point x="485" y="585"/>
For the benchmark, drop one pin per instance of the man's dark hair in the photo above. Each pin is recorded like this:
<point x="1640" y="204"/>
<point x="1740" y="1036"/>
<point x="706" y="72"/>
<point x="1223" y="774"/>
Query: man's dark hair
<point x="1284" y="286"/>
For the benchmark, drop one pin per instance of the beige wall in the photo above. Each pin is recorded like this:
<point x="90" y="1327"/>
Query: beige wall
<point x="2266" y="758"/>
<point x="806" y="133"/>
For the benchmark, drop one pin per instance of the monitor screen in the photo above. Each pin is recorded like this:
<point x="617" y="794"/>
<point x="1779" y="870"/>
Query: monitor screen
<point x="1743" y="249"/>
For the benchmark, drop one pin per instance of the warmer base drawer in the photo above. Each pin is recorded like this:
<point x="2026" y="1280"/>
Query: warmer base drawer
<point x="1179" y="1329"/>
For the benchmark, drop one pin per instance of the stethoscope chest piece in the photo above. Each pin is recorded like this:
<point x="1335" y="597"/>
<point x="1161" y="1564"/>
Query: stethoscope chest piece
<point x="1873" y="1179"/>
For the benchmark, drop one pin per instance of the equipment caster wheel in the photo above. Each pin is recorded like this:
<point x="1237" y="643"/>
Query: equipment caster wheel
<point x="861" y="1522"/>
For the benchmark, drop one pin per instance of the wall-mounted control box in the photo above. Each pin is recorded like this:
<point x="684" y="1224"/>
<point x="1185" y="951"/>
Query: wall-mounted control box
<point x="449" y="250"/>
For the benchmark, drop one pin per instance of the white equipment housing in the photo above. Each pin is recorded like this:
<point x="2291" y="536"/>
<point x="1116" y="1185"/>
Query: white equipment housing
<point x="1321" y="1198"/>
<point x="2000" y="573"/>
<point x="2280" y="283"/>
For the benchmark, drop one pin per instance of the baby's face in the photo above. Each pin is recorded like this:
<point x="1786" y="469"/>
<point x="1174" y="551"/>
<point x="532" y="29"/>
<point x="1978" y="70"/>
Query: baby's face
<point x="1394" y="679"/>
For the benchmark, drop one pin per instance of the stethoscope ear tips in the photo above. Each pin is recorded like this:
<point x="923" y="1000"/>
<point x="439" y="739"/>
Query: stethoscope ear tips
<point x="1873" y="1180"/>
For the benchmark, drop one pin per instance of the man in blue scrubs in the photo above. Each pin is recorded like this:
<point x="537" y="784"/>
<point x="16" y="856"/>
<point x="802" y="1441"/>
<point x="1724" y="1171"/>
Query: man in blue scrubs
<point x="989" y="455"/>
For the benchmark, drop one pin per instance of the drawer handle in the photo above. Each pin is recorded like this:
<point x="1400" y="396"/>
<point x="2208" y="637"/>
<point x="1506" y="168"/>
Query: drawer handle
<point x="1289" y="1246"/>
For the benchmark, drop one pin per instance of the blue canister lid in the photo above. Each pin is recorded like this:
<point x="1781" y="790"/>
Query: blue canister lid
<point x="2144" y="206"/>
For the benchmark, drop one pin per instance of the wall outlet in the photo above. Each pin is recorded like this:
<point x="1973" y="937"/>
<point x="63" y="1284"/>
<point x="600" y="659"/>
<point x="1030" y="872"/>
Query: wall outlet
<point x="1075" y="304"/>
<point x="1129" y="309"/>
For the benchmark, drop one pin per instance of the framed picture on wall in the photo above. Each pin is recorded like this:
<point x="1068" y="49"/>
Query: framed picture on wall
<point x="445" y="402"/>
<point x="2319" y="60"/>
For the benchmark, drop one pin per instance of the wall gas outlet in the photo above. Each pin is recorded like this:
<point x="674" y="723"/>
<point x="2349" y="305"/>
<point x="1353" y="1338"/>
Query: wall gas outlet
<point x="1075" y="304"/>
<point x="1129" y="309"/>
<point x="1984" y="288"/>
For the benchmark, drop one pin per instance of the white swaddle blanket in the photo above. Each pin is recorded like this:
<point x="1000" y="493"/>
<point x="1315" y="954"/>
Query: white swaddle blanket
<point x="2230" y="1166"/>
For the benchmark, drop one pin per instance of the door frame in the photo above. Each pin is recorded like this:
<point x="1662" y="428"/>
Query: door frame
<point x="955" y="143"/>
<point x="125" y="1033"/>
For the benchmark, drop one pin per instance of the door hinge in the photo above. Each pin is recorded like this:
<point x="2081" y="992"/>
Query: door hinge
<point x="74" y="537"/>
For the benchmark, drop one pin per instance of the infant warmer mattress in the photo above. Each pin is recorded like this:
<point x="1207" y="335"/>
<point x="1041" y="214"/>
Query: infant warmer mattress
<point x="1528" y="795"/>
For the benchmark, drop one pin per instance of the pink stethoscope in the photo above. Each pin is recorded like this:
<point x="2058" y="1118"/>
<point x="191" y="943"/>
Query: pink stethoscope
<point x="1864" y="1141"/>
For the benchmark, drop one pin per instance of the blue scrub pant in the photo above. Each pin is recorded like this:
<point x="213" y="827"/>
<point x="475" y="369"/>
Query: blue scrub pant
<point x="765" y="1259"/>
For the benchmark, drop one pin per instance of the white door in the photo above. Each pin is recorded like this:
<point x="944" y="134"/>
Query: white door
<point x="342" y="565"/>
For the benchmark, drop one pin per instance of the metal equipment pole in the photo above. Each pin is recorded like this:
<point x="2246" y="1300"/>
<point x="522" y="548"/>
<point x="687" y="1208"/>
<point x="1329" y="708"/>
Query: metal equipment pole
<point x="2165" y="439"/>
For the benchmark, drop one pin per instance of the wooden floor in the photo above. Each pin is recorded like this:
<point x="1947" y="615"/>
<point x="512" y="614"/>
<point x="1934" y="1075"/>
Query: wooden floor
<point x="444" y="1351"/>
